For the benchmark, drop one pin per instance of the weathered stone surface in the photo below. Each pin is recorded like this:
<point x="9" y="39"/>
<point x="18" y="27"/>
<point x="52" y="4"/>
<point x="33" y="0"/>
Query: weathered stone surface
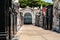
<point x="56" y="15"/>
<point x="32" y="11"/>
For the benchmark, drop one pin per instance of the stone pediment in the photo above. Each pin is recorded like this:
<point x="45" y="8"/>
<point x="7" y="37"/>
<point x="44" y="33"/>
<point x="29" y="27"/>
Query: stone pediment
<point x="28" y="8"/>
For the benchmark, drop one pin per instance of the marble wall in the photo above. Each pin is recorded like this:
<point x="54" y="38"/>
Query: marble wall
<point x="56" y="16"/>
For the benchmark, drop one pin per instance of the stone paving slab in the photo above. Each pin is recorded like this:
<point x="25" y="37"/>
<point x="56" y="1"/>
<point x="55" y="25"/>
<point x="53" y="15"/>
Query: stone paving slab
<point x="30" y="32"/>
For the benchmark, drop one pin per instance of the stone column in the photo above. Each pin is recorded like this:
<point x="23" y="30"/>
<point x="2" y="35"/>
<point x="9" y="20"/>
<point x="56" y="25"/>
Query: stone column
<point x="33" y="18"/>
<point x="55" y="18"/>
<point x="18" y="21"/>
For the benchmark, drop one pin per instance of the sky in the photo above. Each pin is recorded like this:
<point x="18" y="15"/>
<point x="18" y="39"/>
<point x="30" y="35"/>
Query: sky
<point x="49" y="1"/>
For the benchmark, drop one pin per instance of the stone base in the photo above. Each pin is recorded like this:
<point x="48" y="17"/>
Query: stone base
<point x="56" y="28"/>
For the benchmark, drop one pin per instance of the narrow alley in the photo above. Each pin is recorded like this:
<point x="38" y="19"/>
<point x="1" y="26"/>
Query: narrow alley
<point x="29" y="20"/>
<point x="30" y="32"/>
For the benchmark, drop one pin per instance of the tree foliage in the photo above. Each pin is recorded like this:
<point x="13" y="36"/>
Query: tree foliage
<point x="33" y="3"/>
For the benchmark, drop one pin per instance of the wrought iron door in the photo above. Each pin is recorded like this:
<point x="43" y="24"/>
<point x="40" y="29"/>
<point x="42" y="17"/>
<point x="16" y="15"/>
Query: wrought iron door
<point x="27" y="18"/>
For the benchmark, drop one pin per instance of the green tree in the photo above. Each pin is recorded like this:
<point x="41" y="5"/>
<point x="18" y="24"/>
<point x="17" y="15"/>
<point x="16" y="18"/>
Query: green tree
<point x="33" y="3"/>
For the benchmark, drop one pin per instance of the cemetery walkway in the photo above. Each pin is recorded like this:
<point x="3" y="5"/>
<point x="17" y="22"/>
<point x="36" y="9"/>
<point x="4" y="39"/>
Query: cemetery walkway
<point x="30" y="32"/>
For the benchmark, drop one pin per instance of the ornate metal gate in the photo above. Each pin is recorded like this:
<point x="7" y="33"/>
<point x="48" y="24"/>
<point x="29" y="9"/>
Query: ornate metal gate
<point x="49" y="17"/>
<point x="27" y="18"/>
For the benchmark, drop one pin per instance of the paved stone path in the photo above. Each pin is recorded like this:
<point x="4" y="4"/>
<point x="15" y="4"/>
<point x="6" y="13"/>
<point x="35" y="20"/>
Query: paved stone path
<point x="30" y="32"/>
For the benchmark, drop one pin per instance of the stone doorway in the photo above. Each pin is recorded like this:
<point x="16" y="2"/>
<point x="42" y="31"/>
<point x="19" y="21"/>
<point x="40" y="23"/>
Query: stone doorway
<point x="27" y="18"/>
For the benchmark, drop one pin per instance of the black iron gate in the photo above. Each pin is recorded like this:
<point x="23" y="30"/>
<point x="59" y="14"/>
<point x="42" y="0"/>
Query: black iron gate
<point x="49" y="17"/>
<point x="5" y="20"/>
<point x="27" y="18"/>
<point x="4" y="8"/>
